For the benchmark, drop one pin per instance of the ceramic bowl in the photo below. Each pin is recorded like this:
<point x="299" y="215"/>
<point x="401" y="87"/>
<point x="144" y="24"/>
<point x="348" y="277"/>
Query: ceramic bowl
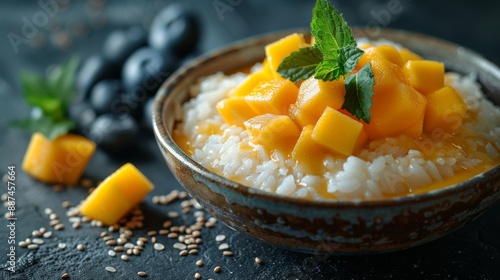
<point x="338" y="227"/>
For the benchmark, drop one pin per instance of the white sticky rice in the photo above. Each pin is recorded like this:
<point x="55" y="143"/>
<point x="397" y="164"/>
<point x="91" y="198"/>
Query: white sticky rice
<point x="383" y="168"/>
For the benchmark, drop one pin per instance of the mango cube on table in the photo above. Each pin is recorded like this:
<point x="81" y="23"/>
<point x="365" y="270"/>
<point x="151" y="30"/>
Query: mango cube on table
<point x="273" y="131"/>
<point x="426" y="76"/>
<point x="274" y="97"/>
<point x="61" y="160"/>
<point x="117" y="195"/>
<point x="338" y="132"/>
<point x="445" y="110"/>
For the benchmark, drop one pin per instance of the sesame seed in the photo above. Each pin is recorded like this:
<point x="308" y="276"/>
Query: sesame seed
<point x="47" y="234"/>
<point x="217" y="269"/>
<point x="74" y="219"/>
<point x="184" y="253"/>
<point x="111" y="242"/>
<point x="173" y="214"/>
<point x="143" y="239"/>
<point x="107" y="237"/>
<point x="118" y="249"/>
<point x="212" y="220"/>
<point x="163" y="231"/>
<point x="38" y="241"/>
<point x="54" y="223"/>
<point x="198" y="241"/>
<point x="128" y="246"/>
<point x="186" y="210"/>
<point x="80" y="247"/>
<point x="136" y="251"/>
<point x="223" y="246"/>
<point x="111" y="253"/>
<point x="193" y="252"/>
<point x="86" y="219"/>
<point x="104" y="233"/>
<point x="153" y="239"/>
<point x="36" y="233"/>
<point x="152" y="232"/>
<point x="124" y="257"/>
<point x="167" y="224"/>
<point x="65" y="276"/>
<point x="142" y="274"/>
<point x="33" y="246"/>
<point x="76" y="225"/>
<point x="139" y="242"/>
<point x="66" y="204"/>
<point x="183" y="195"/>
<point x="197" y="275"/>
<point x="4" y="197"/>
<point x="85" y="182"/>
<point x="192" y="246"/>
<point x="121" y="240"/>
<point x="199" y="263"/>
<point x="172" y="235"/>
<point x="61" y="245"/>
<point x="42" y="230"/>
<point x="180" y="246"/>
<point x="23" y="244"/>
<point x="129" y="251"/>
<point x="159" y="246"/>
<point x="110" y="269"/>
<point x="210" y="224"/>
<point x="227" y="253"/>
<point x="139" y="247"/>
<point x="258" y="260"/>
<point x="174" y="229"/>
<point x="220" y="238"/>
<point x="59" y="227"/>
<point x="53" y="216"/>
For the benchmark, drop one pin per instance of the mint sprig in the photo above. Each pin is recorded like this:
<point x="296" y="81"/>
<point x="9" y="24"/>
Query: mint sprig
<point x="338" y="56"/>
<point x="52" y="96"/>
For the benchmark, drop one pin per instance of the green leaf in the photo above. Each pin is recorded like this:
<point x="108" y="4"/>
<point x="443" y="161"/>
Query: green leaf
<point x="328" y="70"/>
<point x="349" y="57"/>
<point x="45" y="125"/>
<point x="359" y="92"/>
<point x="301" y="64"/>
<point x="62" y="80"/>
<point x="330" y="30"/>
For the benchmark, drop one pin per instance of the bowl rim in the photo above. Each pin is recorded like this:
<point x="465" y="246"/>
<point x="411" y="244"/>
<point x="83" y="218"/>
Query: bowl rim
<point x="164" y="138"/>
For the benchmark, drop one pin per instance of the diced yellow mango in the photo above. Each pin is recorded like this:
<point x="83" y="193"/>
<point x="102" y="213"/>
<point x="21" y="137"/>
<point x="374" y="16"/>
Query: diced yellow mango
<point x="365" y="46"/>
<point x="117" y="195"/>
<point x="395" y="110"/>
<point x="390" y="53"/>
<point x="308" y="152"/>
<point x="273" y="132"/>
<point x="385" y="74"/>
<point x="235" y="110"/>
<point x="338" y="132"/>
<point x="406" y="55"/>
<point x="266" y="69"/>
<point x="313" y="97"/>
<point x="426" y="76"/>
<point x="415" y="130"/>
<point x="274" y="96"/>
<point x="61" y="160"/>
<point x="445" y="110"/>
<point x="249" y="83"/>
<point x="277" y="51"/>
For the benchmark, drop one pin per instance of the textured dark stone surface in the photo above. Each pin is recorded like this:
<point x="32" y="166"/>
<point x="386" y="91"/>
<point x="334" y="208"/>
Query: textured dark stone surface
<point x="472" y="252"/>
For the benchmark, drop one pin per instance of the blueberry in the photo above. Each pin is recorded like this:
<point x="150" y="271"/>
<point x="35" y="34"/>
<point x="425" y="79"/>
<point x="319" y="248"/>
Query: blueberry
<point x="176" y="29"/>
<point x="96" y="68"/>
<point x="120" y="44"/>
<point x="113" y="132"/>
<point x="144" y="72"/>
<point x="147" y="118"/>
<point x="105" y="94"/>
<point x="83" y="114"/>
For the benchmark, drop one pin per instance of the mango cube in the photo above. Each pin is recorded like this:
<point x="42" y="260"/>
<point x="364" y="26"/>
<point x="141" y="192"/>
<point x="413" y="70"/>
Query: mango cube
<point x="390" y="53"/>
<point x="395" y="110"/>
<point x="309" y="153"/>
<point x="313" y="97"/>
<point x="406" y="55"/>
<point x="426" y="76"/>
<point x="445" y="110"/>
<point x="274" y="96"/>
<point x="235" y="110"/>
<point x="249" y="83"/>
<point x="277" y="51"/>
<point x="273" y="131"/>
<point x="385" y="74"/>
<point x="117" y="195"/>
<point x="61" y="160"/>
<point x="338" y="132"/>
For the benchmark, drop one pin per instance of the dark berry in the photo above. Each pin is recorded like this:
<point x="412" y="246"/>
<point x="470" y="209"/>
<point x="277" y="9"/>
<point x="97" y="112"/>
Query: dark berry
<point x="96" y="68"/>
<point x="105" y="94"/>
<point x="113" y="132"/>
<point x="120" y="44"/>
<point x="83" y="114"/>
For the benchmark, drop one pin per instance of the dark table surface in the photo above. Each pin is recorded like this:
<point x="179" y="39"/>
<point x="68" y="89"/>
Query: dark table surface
<point x="472" y="252"/>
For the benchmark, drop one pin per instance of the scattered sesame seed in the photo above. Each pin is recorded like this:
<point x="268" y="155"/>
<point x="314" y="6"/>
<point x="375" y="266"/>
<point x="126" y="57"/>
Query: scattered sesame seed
<point x="142" y="274"/>
<point x="180" y="246"/>
<point x="227" y="253"/>
<point x="192" y="246"/>
<point x="152" y="233"/>
<point x="38" y="241"/>
<point x="111" y="253"/>
<point x="159" y="246"/>
<point x="136" y="251"/>
<point x="217" y="269"/>
<point x="198" y="241"/>
<point x="47" y="234"/>
<point x="61" y="245"/>
<point x="80" y="247"/>
<point x="76" y="225"/>
<point x="183" y="195"/>
<point x="167" y="224"/>
<point x="220" y="238"/>
<point x="33" y="246"/>
<point x="200" y="263"/>
<point x="4" y="197"/>
<point x="223" y="246"/>
<point x="172" y="235"/>
<point x="65" y="276"/>
<point x="124" y="257"/>
<point x="85" y="182"/>
<point x="66" y="204"/>
<point x="258" y="260"/>
<point x="197" y="275"/>
<point x="163" y="231"/>
<point x="193" y="252"/>
<point x="42" y="230"/>
<point x="23" y="244"/>
<point x="110" y="269"/>
<point x="184" y="253"/>
<point x="173" y="214"/>
<point x="59" y="227"/>
<point x="143" y="239"/>
<point x="104" y="233"/>
<point x="36" y="233"/>
<point x="107" y="237"/>
<point x="118" y="249"/>
<point x="121" y="240"/>
<point x="128" y="246"/>
<point x="210" y="224"/>
<point x="53" y="223"/>
<point x="111" y="242"/>
<point x="139" y="242"/>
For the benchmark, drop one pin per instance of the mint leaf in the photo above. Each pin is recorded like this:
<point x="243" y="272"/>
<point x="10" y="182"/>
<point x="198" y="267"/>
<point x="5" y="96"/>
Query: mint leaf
<point x="331" y="32"/>
<point x="359" y="92"/>
<point x="62" y="80"/>
<point x="45" y="125"/>
<point x="301" y="64"/>
<point x="328" y="70"/>
<point x="348" y="57"/>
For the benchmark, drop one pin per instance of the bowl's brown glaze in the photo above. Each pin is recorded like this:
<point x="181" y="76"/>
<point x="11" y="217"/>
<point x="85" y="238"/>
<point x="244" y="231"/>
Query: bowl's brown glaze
<point x="340" y="227"/>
